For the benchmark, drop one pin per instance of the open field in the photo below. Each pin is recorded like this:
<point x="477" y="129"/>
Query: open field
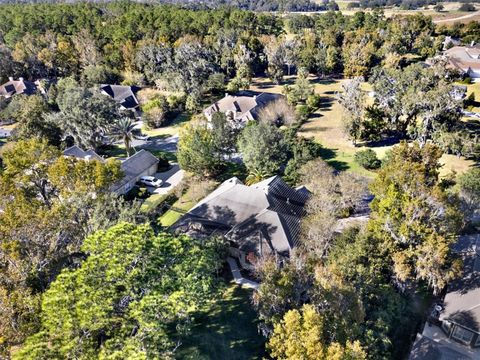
<point x="325" y="125"/>
<point x="227" y="330"/>
<point x="449" y="15"/>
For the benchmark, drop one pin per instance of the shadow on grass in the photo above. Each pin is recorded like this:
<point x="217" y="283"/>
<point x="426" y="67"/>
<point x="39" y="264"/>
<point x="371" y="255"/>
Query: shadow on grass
<point x="228" y="330"/>
<point x="112" y="151"/>
<point x="329" y="156"/>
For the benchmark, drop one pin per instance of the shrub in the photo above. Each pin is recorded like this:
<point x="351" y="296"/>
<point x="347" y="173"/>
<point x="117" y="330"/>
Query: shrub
<point x="303" y="112"/>
<point x="467" y="7"/>
<point x="467" y="80"/>
<point x="163" y="163"/>
<point x="367" y="159"/>
<point x="313" y="101"/>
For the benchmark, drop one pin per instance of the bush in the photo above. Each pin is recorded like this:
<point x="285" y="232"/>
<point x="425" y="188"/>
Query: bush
<point x="313" y="101"/>
<point x="467" y="80"/>
<point x="367" y="159"/>
<point x="467" y="7"/>
<point x="303" y="112"/>
<point x="137" y="192"/>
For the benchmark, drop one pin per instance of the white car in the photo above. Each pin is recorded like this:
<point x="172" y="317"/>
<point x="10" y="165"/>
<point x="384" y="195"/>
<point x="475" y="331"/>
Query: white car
<point x="151" y="181"/>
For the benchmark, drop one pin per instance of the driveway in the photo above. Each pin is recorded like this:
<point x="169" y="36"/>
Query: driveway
<point x="170" y="178"/>
<point x="168" y="144"/>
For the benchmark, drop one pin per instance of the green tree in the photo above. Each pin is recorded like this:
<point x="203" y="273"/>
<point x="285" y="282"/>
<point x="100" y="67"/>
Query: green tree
<point x="132" y="287"/>
<point x="84" y="115"/>
<point x="413" y="217"/>
<point x="263" y="148"/>
<point x="198" y="150"/>
<point x="47" y="202"/>
<point x="352" y="100"/>
<point x="469" y="183"/>
<point x="29" y="113"/>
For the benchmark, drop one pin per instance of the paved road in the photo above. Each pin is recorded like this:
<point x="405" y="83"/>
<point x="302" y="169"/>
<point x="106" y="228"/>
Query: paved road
<point x="171" y="178"/>
<point x="473" y="14"/>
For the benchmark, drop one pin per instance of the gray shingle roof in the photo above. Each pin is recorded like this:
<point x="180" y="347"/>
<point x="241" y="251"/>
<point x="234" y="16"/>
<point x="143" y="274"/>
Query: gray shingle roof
<point x="124" y="95"/>
<point x="263" y="217"/>
<point x="462" y="301"/>
<point x="427" y="349"/>
<point x="245" y="104"/>
<point x="75" y="151"/>
<point x="135" y="165"/>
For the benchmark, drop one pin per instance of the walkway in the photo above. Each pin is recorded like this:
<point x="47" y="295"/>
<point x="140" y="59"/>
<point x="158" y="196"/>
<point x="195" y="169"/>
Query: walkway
<point x="237" y="276"/>
<point x="467" y="16"/>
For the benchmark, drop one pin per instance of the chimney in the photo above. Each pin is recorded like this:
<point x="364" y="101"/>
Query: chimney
<point x="10" y="78"/>
<point x="472" y="43"/>
<point x="20" y="79"/>
<point x="226" y="94"/>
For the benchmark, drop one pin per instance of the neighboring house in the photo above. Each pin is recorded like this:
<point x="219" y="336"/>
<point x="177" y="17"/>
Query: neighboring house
<point x="123" y="95"/>
<point x="453" y="329"/>
<point x="460" y="318"/>
<point x="465" y="59"/>
<point x="14" y="87"/>
<point x="142" y="163"/>
<point x="450" y="42"/>
<point x="75" y="151"/>
<point x="258" y="220"/>
<point x="243" y="107"/>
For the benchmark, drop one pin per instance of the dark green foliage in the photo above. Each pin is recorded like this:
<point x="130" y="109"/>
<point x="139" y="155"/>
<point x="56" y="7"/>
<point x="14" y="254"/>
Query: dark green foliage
<point x="466" y="7"/>
<point x="367" y="159"/>
<point x="133" y="286"/>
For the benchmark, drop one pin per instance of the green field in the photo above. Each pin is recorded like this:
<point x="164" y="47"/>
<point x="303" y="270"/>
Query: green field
<point x="226" y="331"/>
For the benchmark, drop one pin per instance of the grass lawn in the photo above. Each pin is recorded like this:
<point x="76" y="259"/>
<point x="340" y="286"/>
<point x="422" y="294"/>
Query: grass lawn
<point x="227" y="330"/>
<point x="171" y="128"/>
<point x="180" y="207"/>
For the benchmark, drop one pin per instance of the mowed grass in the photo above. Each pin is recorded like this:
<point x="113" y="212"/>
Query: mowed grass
<point x="180" y="207"/>
<point x="171" y="127"/>
<point x="226" y="330"/>
<point x="326" y="127"/>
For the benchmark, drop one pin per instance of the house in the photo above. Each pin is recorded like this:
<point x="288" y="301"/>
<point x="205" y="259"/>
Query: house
<point x="465" y="59"/>
<point x="20" y="86"/>
<point x="258" y="220"/>
<point x="142" y="163"/>
<point x="78" y="153"/>
<point x="454" y="325"/>
<point x="123" y="95"/>
<point x="243" y="107"/>
<point x="450" y="42"/>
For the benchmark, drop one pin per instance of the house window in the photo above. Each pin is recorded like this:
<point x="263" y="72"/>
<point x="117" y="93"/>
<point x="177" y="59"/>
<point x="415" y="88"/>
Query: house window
<point x="462" y="335"/>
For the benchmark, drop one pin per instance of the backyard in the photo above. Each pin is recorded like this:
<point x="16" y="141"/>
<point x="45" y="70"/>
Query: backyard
<point x="227" y="329"/>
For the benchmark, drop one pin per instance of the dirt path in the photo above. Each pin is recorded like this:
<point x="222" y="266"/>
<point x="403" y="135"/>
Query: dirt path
<point x="473" y="14"/>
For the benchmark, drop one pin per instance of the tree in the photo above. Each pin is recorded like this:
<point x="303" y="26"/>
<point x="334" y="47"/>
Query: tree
<point x="333" y="197"/>
<point x="300" y="336"/>
<point x="48" y="202"/>
<point x="352" y="100"/>
<point x="438" y="7"/>
<point x="124" y="130"/>
<point x="263" y="148"/>
<point x="131" y="288"/>
<point x="278" y="113"/>
<point x="29" y="113"/>
<point x="84" y="115"/>
<point x="467" y="7"/>
<point x="413" y="217"/>
<point x="197" y="150"/>
<point x="470" y="189"/>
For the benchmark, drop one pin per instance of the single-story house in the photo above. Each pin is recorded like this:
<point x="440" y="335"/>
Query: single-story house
<point x="123" y="95"/>
<point x="465" y="59"/>
<point x="20" y="86"/>
<point x="142" y="163"/>
<point x="258" y="220"/>
<point x="425" y="348"/>
<point x="243" y="107"/>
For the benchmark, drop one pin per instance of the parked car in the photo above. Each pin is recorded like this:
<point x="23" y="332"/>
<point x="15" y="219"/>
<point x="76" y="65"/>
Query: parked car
<point x="151" y="181"/>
